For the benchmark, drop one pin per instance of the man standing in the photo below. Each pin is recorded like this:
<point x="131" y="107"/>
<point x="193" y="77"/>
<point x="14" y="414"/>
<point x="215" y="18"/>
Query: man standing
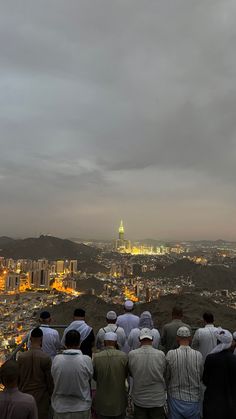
<point x="13" y="403"/>
<point x="184" y="372"/>
<point x="204" y="339"/>
<point x="168" y="337"/>
<point x="147" y="367"/>
<point x="111" y="318"/>
<point x="219" y="378"/>
<point x="35" y="373"/>
<point x="72" y="372"/>
<point x="127" y="321"/>
<point x="110" y="372"/>
<point x="86" y="332"/>
<point x="51" y="341"/>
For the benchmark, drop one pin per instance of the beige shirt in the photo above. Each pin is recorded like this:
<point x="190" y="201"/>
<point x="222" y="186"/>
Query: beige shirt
<point x="110" y="372"/>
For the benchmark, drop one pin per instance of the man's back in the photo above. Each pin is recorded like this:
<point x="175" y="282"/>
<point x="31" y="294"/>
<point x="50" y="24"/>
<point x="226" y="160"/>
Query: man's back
<point x="87" y="337"/>
<point x="168" y="337"/>
<point x="121" y="338"/>
<point x="128" y="321"/>
<point x="204" y="340"/>
<point x="71" y="373"/>
<point x="184" y="371"/>
<point x="17" y="405"/>
<point x="51" y="341"/>
<point x="35" y="377"/>
<point x="219" y="378"/>
<point x="110" y="372"/>
<point x="147" y="367"/>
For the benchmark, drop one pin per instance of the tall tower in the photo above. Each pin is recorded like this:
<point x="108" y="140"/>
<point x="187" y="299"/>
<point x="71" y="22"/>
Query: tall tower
<point x="121" y="231"/>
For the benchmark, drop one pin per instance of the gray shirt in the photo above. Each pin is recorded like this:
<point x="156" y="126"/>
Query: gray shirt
<point x="205" y="340"/>
<point x="17" y="405"/>
<point x="184" y="372"/>
<point x="147" y="366"/>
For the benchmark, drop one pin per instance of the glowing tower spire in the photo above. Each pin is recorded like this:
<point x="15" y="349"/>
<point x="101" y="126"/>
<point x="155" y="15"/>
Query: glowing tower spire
<point x="121" y="231"/>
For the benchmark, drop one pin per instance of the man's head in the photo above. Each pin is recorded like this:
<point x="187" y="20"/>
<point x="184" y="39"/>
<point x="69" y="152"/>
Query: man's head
<point x="177" y="312"/>
<point x="128" y="306"/>
<point x="184" y="336"/>
<point x="45" y="317"/>
<point x="110" y="339"/>
<point x="79" y="314"/>
<point x="72" y="339"/>
<point x="111" y="317"/>
<point x="208" y="317"/>
<point x="9" y="373"/>
<point x="145" y="336"/>
<point x="36" y="337"/>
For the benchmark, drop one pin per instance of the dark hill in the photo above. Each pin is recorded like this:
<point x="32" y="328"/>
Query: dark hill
<point x="5" y="240"/>
<point x="47" y="247"/>
<point x="192" y="304"/>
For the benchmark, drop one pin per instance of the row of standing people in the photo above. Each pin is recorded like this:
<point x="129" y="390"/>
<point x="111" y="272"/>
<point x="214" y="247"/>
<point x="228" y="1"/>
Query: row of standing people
<point x="181" y="369"/>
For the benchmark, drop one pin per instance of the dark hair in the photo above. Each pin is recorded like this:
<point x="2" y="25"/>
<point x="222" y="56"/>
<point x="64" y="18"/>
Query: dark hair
<point x="208" y="317"/>
<point x="37" y="333"/>
<point x="9" y="372"/>
<point x="177" y="311"/>
<point x="79" y="312"/>
<point x="72" y="338"/>
<point x="45" y="315"/>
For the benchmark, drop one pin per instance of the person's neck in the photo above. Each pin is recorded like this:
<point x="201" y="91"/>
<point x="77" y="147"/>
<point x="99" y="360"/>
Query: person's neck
<point x="76" y="348"/>
<point x="35" y="345"/>
<point x="79" y="318"/>
<point x="11" y="386"/>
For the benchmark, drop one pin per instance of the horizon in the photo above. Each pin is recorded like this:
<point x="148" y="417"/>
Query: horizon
<point x="117" y="109"/>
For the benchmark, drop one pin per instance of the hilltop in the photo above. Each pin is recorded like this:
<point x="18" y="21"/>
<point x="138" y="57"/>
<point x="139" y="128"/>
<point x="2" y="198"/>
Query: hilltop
<point x="192" y="304"/>
<point x="47" y="247"/>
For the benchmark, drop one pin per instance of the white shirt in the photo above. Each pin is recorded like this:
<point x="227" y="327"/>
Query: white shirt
<point x="134" y="342"/>
<point x="51" y="340"/>
<point x="205" y="340"/>
<point x="83" y="328"/>
<point x="121" y="338"/>
<point x="127" y="321"/>
<point x="71" y="372"/>
<point x="147" y="366"/>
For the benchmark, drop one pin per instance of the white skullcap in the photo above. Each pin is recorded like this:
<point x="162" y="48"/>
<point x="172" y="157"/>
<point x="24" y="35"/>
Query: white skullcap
<point x="145" y="334"/>
<point x="110" y="336"/>
<point x="111" y="315"/>
<point x="129" y="305"/>
<point x="183" y="332"/>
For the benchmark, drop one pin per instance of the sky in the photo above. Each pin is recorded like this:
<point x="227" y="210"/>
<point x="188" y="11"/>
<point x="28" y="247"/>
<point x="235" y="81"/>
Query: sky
<point x="118" y="109"/>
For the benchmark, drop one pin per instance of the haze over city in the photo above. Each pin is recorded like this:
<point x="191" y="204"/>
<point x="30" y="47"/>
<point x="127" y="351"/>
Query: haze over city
<point x="115" y="110"/>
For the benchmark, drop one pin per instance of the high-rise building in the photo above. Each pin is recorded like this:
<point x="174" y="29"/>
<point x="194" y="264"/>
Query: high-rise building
<point x="122" y="245"/>
<point x="121" y="231"/>
<point x="73" y="266"/>
<point x="60" y="266"/>
<point x="39" y="279"/>
<point x="12" y="282"/>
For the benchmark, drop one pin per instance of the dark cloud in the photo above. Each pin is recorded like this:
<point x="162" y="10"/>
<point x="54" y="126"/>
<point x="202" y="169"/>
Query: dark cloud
<point x="118" y="109"/>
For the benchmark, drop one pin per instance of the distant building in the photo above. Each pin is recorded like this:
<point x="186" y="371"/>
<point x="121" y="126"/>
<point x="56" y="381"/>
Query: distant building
<point x="39" y="279"/>
<point x="12" y="282"/>
<point x="73" y="267"/>
<point x="60" y="266"/>
<point x="122" y="245"/>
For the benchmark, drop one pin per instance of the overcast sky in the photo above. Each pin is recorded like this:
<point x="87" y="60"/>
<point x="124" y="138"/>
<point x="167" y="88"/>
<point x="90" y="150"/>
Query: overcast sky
<point x="117" y="109"/>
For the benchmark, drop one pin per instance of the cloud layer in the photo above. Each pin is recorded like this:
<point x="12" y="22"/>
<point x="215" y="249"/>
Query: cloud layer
<point x="116" y="110"/>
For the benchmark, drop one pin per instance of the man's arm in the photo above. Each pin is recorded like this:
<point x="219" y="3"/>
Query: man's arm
<point x="196" y="341"/>
<point x="47" y="364"/>
<point x="98" y="340"/>
<point x="33" y="414"/>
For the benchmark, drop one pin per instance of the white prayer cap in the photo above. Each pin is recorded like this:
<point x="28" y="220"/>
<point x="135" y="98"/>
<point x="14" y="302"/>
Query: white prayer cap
<point x="145" y="334"/>
<point x="110" y="336"/>
<point x="129" y="305"/>
<point x="111" y="315"/>
<point x="183" y="332"/>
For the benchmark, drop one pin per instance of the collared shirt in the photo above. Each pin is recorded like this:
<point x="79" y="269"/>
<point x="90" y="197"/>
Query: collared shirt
<point x="121" y="338"/>
<point x="134" y="342"/>
<point x="147" y="366"/>
<point x="205" y="340"/>
<point x="127" y="321"/>
<point x="169" y="331"/>
<point x="17" y="405"/>
<point x="184" y="372"/>
<point x="51" y="341"/>
<point x="110" y="372"/>
<point x="71" y="373"/>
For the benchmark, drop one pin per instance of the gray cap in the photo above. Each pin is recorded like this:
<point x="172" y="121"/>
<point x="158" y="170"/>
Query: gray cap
<point x="183" y="332"/>
<point x="145" y="333"/>
<point x="110" y="336"/>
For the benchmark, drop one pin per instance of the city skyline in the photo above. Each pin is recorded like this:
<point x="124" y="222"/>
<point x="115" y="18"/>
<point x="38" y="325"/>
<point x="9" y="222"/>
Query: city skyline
<point x="118" y="110"/>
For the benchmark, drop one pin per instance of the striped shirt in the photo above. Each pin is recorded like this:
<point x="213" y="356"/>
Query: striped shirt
<point x="184" y="372"/>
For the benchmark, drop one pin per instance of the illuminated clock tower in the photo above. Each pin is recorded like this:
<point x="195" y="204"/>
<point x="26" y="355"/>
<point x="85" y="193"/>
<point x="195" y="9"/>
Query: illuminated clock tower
<point x="121" y="231"/>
